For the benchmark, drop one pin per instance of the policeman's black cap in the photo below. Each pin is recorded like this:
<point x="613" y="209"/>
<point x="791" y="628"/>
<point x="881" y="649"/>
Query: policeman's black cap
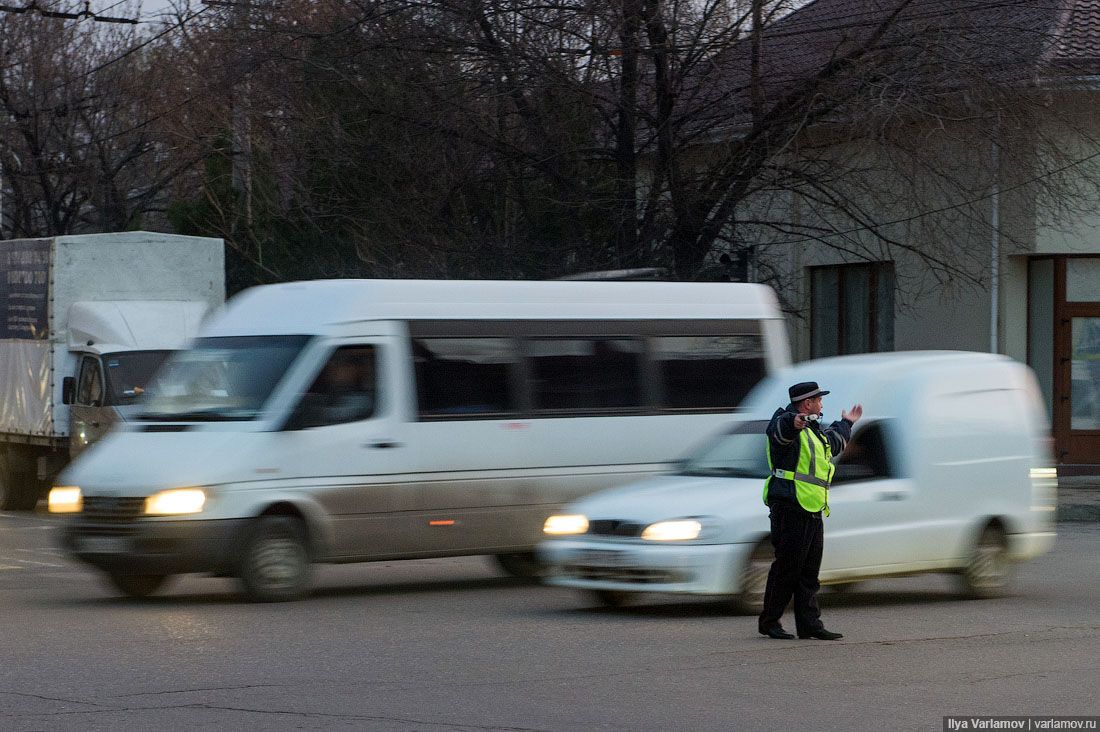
<point x="805" y="390"/>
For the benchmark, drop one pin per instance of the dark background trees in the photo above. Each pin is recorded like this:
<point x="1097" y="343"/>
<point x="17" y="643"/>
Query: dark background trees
<point x="513" y="138"/>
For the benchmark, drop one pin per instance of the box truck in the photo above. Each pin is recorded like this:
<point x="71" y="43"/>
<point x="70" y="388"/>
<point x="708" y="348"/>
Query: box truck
<point x="86" y="320"/>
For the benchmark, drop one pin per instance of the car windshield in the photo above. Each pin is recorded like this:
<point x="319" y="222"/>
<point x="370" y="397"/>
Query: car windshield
<point x="128" y="374"/>
<point x="221" y="379"/>
<point x="739" y="453"/>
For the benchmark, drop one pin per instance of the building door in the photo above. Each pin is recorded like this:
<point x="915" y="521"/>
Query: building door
<point x="1076" y="408"/>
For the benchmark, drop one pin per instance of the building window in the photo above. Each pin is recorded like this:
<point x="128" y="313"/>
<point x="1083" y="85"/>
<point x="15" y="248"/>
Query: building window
<point x="852" y="309"/>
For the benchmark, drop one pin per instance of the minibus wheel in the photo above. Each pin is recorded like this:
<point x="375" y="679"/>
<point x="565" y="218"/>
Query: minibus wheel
<point x="274" y="562"/>
<point x="989" y="568"/>
<point x="521" y="564"/>
<point x="137" y="585"/>
<point x="754" y="579"/>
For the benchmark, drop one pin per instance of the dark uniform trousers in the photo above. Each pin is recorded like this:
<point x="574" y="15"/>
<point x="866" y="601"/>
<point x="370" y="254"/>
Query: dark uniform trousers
<point x="798" y="538"/>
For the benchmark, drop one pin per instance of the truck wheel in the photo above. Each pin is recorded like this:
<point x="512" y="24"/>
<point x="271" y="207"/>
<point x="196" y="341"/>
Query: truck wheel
<point x="754" y="580"/>
<point x="988" y="569"/>
<point x="18" y="487"/>
<point x="275" y="563"/>
<point x="137" y="585"/>
<point x="521" y="564"/>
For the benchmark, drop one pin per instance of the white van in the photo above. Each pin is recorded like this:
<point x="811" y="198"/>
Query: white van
<point x="345" y="421"/>
<point x="949" y="470"/>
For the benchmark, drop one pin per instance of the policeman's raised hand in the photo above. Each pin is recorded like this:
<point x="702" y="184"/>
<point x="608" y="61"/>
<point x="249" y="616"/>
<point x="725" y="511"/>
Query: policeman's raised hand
<point x="853" y="414"/>
<point x="799" y="421"/>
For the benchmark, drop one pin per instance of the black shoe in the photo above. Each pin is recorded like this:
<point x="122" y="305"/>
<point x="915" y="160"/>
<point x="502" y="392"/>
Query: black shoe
<point x="777" y="632"/>
<point x="821" y="634"/>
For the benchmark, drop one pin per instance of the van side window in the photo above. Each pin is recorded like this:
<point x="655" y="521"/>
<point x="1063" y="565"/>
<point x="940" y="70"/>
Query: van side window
<point x="345" y="391"/>
<point x="707" y="372"/>
<point x="89" y="389"/>
<point x="463" y="378"/>
<point x="586" y="374"/>
<point x="865" y="457"/>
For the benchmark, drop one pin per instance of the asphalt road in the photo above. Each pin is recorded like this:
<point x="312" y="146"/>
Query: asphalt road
<point x="450" y="645"/>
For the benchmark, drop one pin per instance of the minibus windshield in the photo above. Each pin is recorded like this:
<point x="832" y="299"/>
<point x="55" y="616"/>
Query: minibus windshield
<point x="221" y="379"/>
<point x="740" y="453"/>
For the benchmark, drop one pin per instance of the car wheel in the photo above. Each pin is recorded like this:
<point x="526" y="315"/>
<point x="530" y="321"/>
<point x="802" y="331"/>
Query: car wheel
<point x="137" y="585"/>
<point x="754" y="580"/>
<point x="610" y="598"/>
<point x="274" y="562"/>
<point x="989" y="569"/>
<point x="839" y="587"/>
<point x="521" y="564"/>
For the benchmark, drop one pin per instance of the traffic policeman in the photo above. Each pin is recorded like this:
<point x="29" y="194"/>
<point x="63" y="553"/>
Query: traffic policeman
<point x="800" y="455"/>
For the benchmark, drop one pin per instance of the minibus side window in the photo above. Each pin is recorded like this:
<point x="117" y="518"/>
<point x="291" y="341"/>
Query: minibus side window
<point x="586" y="374"/>
<point x="345" y="391"/>
<point x="707" y="372"/>
<point x="465" y="378"/>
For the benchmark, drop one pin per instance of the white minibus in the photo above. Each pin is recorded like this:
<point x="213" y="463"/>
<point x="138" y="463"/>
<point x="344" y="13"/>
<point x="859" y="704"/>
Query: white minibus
<point x="358" y="420"/>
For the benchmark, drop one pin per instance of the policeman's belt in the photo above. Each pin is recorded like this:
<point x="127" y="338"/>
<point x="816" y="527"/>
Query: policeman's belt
<point x="791" y="475"/>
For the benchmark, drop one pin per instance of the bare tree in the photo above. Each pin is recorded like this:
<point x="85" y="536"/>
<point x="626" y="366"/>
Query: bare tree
<point x="516" y="138"/>
<point x="83" y="112"/>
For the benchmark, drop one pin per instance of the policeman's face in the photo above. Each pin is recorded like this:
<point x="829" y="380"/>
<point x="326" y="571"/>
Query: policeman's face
<point x="812" y="405"/>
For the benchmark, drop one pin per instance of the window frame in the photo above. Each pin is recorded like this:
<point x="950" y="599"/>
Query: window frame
<point x="874" y="270"/>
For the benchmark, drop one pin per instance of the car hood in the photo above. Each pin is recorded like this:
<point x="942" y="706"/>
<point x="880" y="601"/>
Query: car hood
<point x="674" y="496"/>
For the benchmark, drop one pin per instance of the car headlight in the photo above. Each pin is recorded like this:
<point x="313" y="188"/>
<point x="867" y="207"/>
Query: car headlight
<point x="676" y="530"/>
<point x="565" y="524"/>
<point x="66" y="499"/>
<point x="175" y="501"/>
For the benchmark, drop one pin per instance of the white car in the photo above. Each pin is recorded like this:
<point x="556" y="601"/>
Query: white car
<point x="949" y="470"/>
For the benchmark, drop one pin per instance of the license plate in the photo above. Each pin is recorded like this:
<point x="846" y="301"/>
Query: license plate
<point x="103" y="544"/>
<point x="602" y="558"/>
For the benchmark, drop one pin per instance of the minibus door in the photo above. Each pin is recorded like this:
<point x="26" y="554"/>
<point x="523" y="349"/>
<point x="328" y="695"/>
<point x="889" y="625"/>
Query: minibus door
<point x="342" y="438"/>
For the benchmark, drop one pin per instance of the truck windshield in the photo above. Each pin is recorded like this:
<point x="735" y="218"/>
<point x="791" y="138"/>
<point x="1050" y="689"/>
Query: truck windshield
<point x="739" y="453"/>
<point x="128" y="374"/>
<point x="221" y="379"/>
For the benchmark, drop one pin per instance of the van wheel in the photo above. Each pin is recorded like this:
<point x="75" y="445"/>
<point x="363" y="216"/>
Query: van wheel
<point x="989" y="569"/>
<point x="754" y="580"/>
<point x="137" y="585"/>
<point x="610" y="598"/>
<point x="274" y="562"/>
<point x="521" y="564"/>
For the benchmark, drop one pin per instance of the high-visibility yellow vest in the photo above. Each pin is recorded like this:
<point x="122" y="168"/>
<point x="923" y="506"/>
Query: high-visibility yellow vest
<point x="812" y="474"/>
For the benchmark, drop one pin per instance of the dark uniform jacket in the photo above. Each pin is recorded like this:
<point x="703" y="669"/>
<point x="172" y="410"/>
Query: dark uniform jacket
<point x="785" y="445"/>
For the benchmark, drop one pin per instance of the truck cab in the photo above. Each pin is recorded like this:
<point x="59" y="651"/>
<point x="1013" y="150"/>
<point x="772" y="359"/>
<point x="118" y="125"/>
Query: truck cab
<point x="116" y="347"/>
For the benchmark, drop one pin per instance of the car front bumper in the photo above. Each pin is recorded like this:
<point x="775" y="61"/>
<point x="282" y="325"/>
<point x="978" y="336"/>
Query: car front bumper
<point x="702" y="569"/>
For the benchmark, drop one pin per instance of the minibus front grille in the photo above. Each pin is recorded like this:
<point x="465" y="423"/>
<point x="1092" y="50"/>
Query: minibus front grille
<point x="614" y="527"/>
<point x="112" y="509"/>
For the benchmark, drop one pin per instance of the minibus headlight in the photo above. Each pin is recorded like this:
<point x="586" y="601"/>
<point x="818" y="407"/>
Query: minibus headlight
<point x="565" y="524"/>
<point x="65" y="499"/>
<point x="175" y="502"/>
<point x="676" y="530"/>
